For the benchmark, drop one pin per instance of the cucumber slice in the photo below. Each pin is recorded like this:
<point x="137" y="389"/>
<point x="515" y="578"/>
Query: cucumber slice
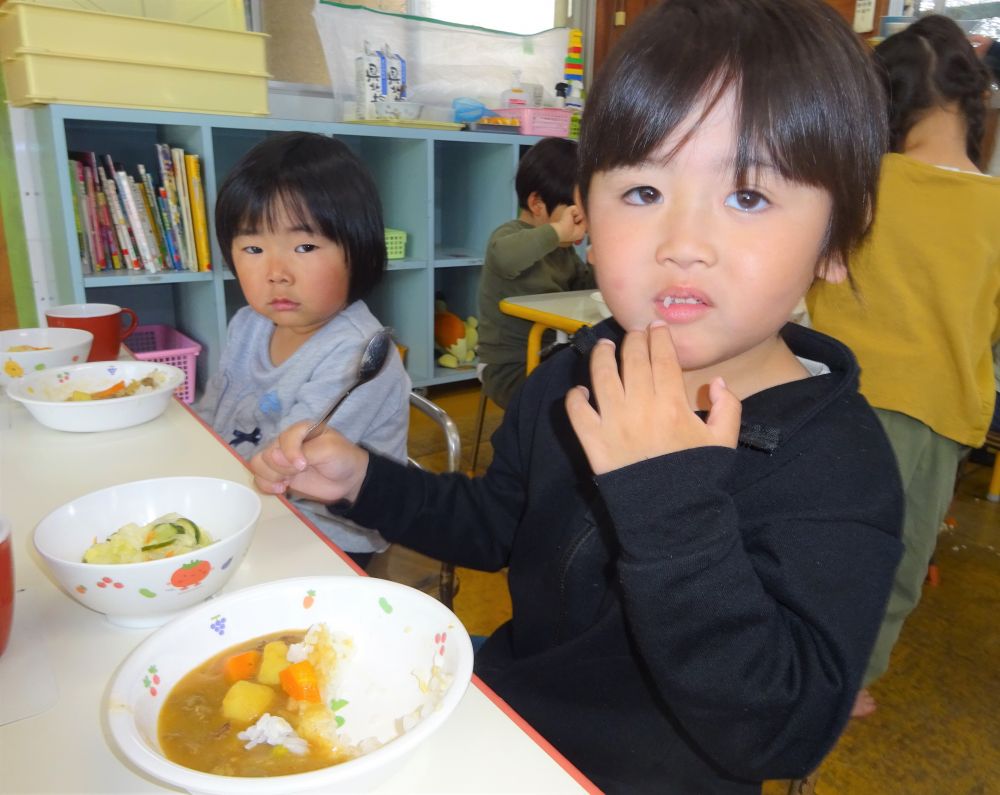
<point x="160" y="545"/>
<point x="165" y="531"/>
<point x="190" y="528"/>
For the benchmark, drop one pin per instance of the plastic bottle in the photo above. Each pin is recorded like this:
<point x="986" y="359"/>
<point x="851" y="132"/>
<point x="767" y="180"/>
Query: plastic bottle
<point x="515" y="96"/>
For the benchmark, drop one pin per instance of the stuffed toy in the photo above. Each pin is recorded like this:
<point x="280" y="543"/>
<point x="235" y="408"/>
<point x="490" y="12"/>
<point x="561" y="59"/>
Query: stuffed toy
<point x="457" y="340"/>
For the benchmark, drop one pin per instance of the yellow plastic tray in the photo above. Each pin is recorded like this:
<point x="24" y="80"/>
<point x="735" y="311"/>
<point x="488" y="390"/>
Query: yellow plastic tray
<point x="208" y="13"/>
<point x="35" y="78"/>
<point x="25" y="26"/>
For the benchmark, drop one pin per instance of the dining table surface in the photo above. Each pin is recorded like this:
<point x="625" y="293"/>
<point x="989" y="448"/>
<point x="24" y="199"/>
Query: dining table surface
<point x="54" y="676"/>
<point x="564" y="312"/>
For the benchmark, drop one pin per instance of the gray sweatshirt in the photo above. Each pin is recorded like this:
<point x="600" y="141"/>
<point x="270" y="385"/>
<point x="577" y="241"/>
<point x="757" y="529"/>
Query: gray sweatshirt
<point x="249" y="401"/>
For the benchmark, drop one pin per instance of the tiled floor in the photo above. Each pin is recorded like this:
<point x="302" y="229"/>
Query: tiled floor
<point x="937" y="729"/>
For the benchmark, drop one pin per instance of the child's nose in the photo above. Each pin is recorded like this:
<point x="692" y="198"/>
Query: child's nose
<point x="687" y="238"/>
<point x="277" y="272"/>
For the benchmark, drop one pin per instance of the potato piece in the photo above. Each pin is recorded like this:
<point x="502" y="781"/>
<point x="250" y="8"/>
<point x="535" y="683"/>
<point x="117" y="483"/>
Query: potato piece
<point x="273" y="662"/>
<point x="246" y="701"/>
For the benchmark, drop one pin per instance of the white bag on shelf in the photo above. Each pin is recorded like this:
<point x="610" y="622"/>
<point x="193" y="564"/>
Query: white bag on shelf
<point x="443" y="60"/>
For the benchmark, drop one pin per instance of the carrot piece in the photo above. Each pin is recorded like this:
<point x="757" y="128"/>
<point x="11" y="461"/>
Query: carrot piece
<point x="241" y="666"/>
<point x="114" y="389"/>
<point x="300" y="681"/>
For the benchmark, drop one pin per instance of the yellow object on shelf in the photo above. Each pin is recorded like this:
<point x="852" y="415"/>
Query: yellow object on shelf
<point x="224" y="14"/>
<point x="27" y="26"/>
<point x="44" y="78"/>
<point x="55" y="54"/>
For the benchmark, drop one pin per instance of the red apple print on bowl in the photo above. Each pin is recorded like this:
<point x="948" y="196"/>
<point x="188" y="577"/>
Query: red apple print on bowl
<point x="190" y="574"/>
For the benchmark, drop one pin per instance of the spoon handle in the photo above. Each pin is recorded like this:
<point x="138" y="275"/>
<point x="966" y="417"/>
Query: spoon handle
<point x="317" y="427"/>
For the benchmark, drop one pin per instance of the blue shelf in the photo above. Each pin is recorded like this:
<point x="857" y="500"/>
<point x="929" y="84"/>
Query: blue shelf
<point x="447" y="189"/>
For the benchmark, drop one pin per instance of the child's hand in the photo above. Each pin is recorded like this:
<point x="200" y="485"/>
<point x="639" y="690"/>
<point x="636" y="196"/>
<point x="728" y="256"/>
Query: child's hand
<point x="327" y="468"/>
<point x="645" y="412"/>
<point x="569" y="224"/>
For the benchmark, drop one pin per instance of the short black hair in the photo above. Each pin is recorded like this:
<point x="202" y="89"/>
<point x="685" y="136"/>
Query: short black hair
<point x="808" y="99"/>
<point x="930" y="64"/>
<point x="549" y="169"/>
<point x="322" y="185"/>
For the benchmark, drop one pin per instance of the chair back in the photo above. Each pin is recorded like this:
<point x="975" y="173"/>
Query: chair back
<point x="453" y="444"/>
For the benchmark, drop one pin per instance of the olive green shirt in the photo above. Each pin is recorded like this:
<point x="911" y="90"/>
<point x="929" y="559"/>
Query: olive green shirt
<point x="521" y="259"/>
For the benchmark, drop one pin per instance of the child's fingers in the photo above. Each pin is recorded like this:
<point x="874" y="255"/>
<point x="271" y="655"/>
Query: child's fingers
<point x="606" y="383"/>
<point x="663" y="356"/>
<point x="581" y="414"/>
<point x="636" y="375"/>
<point x="289" y="445"/>
<point x="724" y="417"/>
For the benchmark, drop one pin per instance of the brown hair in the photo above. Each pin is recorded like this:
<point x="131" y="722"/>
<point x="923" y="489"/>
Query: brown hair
<point x="931" y="64"/>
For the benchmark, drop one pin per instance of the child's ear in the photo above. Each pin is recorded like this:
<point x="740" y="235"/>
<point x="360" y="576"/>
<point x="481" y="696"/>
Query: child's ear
<point x="833" y="270"/>
<point x="536" y="205"/>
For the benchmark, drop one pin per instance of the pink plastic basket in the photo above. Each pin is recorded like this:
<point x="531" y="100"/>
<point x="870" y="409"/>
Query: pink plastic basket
<point x="157" y="343"/>
<point x="540" y="121"/>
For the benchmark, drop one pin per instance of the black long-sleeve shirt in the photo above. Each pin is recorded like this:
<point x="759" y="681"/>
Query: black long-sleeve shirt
<point x="697" y="622"/>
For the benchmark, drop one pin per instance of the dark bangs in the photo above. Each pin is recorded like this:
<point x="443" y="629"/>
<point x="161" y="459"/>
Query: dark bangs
<point x="809" y="101"/>
<point x="322" y="186"/>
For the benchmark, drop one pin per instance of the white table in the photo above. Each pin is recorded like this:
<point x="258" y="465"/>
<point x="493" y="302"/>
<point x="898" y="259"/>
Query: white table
<point x="66" y="748"/>
<point x="565" y="312"/>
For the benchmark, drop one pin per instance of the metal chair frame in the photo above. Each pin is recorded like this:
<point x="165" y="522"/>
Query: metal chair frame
<point x="446" y="579"/>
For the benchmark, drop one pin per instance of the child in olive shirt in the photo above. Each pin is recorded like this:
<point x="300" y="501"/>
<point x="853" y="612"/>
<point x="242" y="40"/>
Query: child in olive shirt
<point x="531" y="254"/>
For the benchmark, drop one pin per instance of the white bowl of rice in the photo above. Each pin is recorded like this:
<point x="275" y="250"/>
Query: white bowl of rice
<point x="391" y="664"/>
<point x="98" y="396"/>
<point x="170" y="569"/>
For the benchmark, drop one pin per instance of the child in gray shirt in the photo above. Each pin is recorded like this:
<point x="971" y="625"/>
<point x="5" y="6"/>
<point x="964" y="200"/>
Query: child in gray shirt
<point x="300" y="221"/>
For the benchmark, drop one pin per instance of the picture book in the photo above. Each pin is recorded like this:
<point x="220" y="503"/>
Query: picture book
<point x="196" y="196"/>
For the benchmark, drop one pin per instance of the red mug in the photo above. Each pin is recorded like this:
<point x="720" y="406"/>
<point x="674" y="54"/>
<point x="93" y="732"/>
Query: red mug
<point x="6" y="584"/>
<point x="104" y="321"/>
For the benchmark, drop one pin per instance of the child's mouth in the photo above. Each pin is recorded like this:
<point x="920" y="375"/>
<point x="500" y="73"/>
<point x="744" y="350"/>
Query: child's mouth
<point x="283" y="305"/>
<point x="683" y="308"/>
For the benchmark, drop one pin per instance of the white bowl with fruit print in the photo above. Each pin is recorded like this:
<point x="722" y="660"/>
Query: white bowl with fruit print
<point x="181" y="561"/>
<point x="397" y="666"/>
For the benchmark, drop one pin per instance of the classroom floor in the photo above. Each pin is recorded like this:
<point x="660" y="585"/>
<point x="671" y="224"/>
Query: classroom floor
<point x="936" y="730"/>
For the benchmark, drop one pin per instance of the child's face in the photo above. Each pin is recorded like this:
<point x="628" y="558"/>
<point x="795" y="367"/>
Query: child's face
<point x="297" y="279"/>
<point x="723" y="264"/>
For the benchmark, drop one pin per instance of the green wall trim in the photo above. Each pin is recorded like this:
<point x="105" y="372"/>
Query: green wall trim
<point x="13" y="223"/>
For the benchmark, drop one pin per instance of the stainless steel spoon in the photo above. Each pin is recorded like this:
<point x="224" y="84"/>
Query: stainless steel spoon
<point x="373" y="359"/>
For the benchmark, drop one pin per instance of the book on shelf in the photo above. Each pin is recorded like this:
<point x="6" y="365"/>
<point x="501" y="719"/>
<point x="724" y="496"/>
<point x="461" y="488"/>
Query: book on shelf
<point x="126" y="221"/>
<point x="130" y="256"/>
<point x="141" y="246"/>
<point x="168" y="179"/>
<point x="196" y="197"/>
<point x="184" y="202"/>
<point x="107" y="234"/>
<point x="81" y="220"/>
<point x="143" y="197"/>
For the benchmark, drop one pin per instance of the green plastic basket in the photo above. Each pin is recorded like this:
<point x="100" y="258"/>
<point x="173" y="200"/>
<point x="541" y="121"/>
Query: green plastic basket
<point x="395" y="243"/>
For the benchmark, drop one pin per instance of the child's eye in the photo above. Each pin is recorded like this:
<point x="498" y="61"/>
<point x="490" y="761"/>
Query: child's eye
<point x="305" y="248"/>
<point x="748" y="201"/>
<point x="252" y="249"/>
<point x="642" y="195"/>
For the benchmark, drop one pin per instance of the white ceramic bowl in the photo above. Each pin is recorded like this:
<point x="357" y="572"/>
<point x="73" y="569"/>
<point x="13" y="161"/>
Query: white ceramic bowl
<point x="601" y="306"/>
<point x="153" y="592"/>
<point x="398" y="634"/>
<point x="62" y="346"/>
<point x="45" y="395"/>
